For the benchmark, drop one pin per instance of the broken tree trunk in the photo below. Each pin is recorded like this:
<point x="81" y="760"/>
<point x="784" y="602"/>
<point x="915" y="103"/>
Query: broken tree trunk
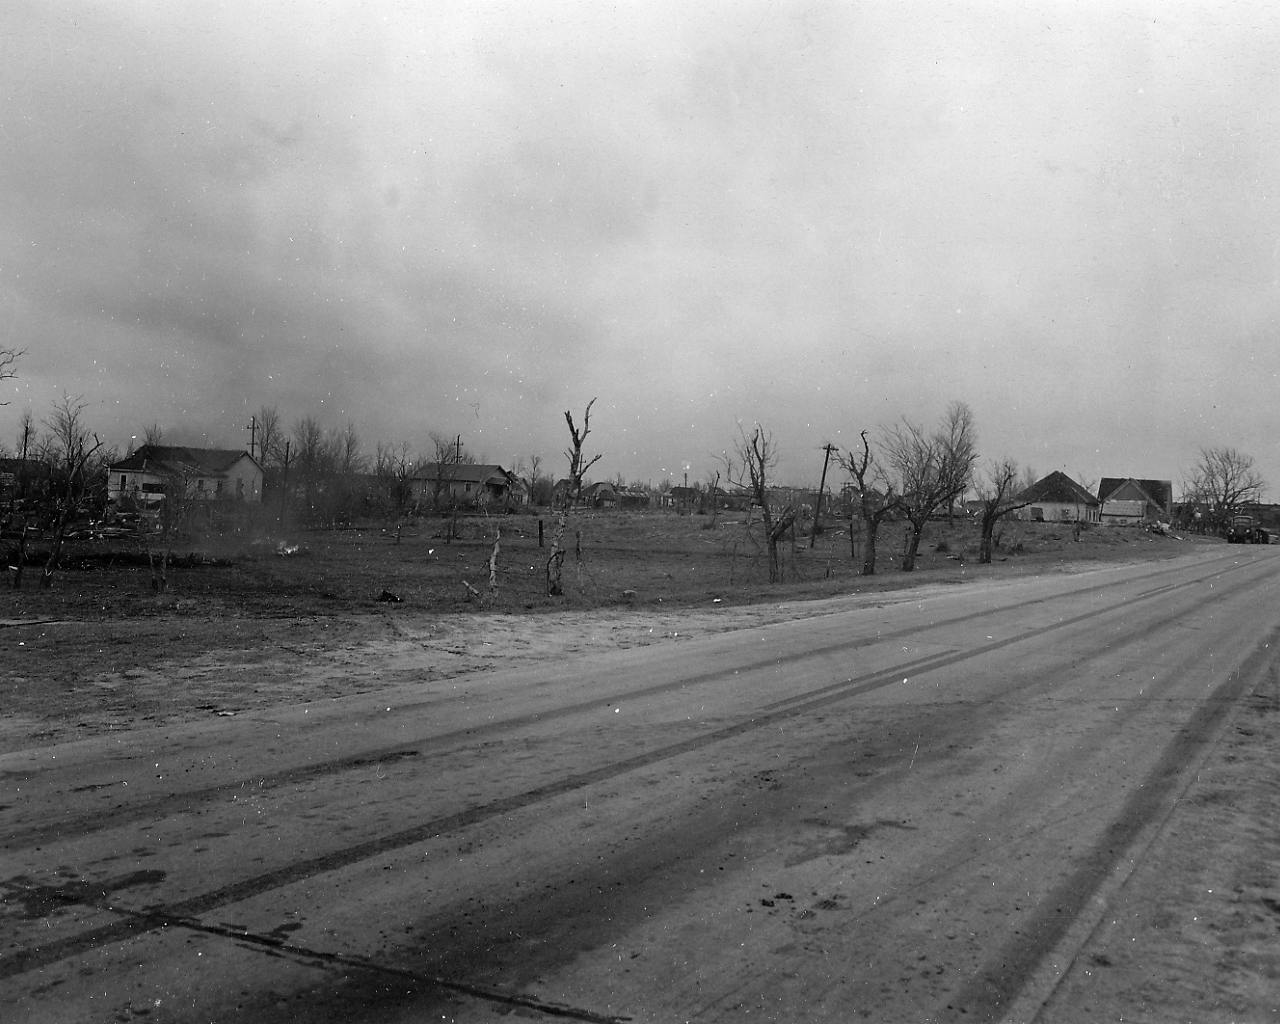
<point x="22" y="558"/>
<point x="493" y="565"/>
<point x="555" y="563"/>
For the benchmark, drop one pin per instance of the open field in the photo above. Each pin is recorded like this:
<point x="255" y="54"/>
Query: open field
<point x="243" y="627"/>
<point x="660" y="558"/>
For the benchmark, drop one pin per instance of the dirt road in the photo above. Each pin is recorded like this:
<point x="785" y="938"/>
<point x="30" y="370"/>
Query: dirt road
<point x="1044" y="800"/>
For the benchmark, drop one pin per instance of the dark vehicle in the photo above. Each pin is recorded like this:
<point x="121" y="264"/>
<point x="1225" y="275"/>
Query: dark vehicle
<point x="1246" y="530"/>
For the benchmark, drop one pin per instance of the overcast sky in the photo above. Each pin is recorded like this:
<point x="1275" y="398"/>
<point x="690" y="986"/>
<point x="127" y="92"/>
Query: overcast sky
<point x="470" y="217"/>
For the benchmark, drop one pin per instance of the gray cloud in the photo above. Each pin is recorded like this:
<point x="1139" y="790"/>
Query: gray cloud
<point x="819" y="216"/>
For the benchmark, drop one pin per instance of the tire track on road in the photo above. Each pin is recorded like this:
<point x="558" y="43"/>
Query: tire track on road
<point x="36" y="957"/>
<point x="447" y="743"/>
<point x="990" y="994"/>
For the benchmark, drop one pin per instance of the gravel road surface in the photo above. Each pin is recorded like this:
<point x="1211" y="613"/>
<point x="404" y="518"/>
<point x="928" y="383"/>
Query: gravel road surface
<point x="1049" y="799"/>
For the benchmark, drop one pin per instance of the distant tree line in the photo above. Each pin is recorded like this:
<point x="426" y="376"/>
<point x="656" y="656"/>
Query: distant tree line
<point x="905" y="471"/>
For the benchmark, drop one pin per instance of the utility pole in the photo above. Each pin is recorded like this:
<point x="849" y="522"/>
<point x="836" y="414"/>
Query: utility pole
<point x="284" y="488"/>
<point x="828" y="448"/>
<point x="253" y="435"/>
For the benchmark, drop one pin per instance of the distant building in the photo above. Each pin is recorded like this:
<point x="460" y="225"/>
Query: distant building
<point x="467" y="484"/>
<point x="632" y="497"/>
<point x="601" y="495"/>
<point x="682" y="497"/>
<point x="1128" y="501"/>
<point x="1057" y="498"/>
<point x="153" y="470"/>
<point x="24" y="477"/>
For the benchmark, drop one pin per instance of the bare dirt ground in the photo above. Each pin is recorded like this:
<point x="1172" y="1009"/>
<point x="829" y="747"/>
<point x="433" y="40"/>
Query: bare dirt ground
<point x="241" y="627"/>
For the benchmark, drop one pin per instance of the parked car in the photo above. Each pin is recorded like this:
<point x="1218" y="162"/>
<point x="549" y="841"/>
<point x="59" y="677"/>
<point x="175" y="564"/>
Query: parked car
<point x="1246" y="530"/>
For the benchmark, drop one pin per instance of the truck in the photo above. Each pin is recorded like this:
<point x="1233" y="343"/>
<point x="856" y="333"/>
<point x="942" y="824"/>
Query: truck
<point x="1246" y="530"/>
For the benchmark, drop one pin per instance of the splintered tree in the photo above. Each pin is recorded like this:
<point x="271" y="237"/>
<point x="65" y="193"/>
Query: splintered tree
<point x="997" y="493"/>
<point x="750" y="465"/>
<point x="875" y="500"/>
<point x="933" y="469"/>
<point x="578" y="462"/>
<point x="578" y="466"/>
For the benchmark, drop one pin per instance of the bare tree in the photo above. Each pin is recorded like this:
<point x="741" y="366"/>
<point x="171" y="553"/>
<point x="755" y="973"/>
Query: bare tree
<point x="933" y="468"/>
<point x="71" y="447"/>
<point x="533" y="477"/>
<point x="876" y="500"/>
<point x="309" y="456"/>
<point x="578" y="462"/>
<point x="1026" y="478"/>
<point x="270" y="436"/>
<point x="751" y="464"/>
<point x="350" y="458"/>
<point x="1223" y="482"/>
<point x="153" y="434"/>
<point x="959" y="438"/>
<point x="394" y="465"/>
<point x="998" y="494"/>
<point x="8" y="363"/>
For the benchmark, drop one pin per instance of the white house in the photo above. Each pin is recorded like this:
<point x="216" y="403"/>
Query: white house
<point x="1127" y="501"/>
<point x="1059" y="499"/>
<point x="205" y="473"/>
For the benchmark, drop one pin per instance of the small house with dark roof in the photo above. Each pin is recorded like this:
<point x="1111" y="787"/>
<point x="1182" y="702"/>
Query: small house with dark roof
<point x="1059" y="499"/>
<point x="601" y="495"/>
<point x="152" y="471"/>
<point x="467" y="484"/>
<point x="1127" y="501"/>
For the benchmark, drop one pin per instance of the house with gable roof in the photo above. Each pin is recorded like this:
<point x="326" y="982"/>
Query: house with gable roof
<point x="1057" y="498"/>
<point x="151" y="471"/>
<point x="1127" y="501"/>
<point x="467" y="484"/>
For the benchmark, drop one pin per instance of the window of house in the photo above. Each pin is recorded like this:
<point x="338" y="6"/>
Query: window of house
<point x="123" y="480"/>
<point x="199" y="485"/>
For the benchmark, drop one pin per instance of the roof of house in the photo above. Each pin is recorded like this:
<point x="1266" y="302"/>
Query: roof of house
<point x="1057" y="487"/>
<point x="167" y="459"/>
<point x="461" y="472"/>
<point x="1158" y="492"/>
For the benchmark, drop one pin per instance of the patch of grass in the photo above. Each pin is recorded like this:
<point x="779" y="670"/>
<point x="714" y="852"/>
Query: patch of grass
<point x="639" y="558"/>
